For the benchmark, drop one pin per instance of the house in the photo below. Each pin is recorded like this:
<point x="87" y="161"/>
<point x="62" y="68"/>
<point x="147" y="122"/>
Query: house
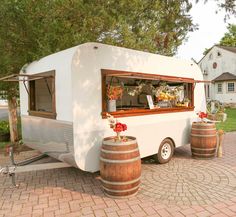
<point x="219" y="67"/>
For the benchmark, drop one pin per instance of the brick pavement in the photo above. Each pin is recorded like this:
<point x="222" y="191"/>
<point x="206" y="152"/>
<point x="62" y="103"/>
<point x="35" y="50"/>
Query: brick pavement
<point x="183" y="187"/>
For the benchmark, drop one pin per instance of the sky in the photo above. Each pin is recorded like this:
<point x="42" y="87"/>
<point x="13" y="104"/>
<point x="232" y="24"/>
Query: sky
<point x="211" y="28"/>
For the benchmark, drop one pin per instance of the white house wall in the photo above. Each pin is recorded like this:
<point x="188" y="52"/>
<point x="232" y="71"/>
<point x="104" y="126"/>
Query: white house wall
<point x="88" y="126"/>
<point x="225" y="63"/>
<point x="225" y="96"/>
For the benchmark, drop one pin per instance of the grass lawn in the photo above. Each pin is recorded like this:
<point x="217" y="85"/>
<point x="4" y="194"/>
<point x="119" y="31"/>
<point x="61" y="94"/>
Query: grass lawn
<point x="230" y="124"/>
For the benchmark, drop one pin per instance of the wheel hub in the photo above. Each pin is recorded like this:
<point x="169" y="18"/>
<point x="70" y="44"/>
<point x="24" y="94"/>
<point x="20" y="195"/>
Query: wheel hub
<point x="166" y="151"/>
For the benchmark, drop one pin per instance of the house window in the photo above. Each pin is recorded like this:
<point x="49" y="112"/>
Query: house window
<point x="230" y="87"/>
<point x="214" y="65"/>
<point x="42" y="96"/>
<point x="219" y="88"/>
<point x="207" y="90"/>
<point x="132" y="94"/>
<point x="218" y="54"/>
<point x="210" y="56"/>
<point x="205" y="72"/>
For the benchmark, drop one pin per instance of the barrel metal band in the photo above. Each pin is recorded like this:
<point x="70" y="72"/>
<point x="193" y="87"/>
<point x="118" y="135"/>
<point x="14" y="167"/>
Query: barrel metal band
<point x="108" y="142"/>
<point x="120" y="183"/>
<point x="203" y="129"/>
<point x="196" y="135"/>
<point x="204" y="124"/>
<point x="203" y="149"/>
<point x="119" y="152"/>
<point x="120" y="191"/>
<point x="120" y="161"/>
<point x="194" y="153"/>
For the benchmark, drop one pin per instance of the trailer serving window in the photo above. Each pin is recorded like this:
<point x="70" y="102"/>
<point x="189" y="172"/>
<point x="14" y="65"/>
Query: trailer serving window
<point x="42" y="95"/>
<point x="131" y="94"/>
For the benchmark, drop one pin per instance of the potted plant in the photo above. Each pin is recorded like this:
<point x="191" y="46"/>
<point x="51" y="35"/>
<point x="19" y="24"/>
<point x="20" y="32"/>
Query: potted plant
<point x="4" y="131"/>
<point x="221" y="115"/>
<point x="113" y="93"/>
<point x="120" y="163"/>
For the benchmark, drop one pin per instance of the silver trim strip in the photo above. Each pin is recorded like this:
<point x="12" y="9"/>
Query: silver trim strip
<point x="203" y="149"/>
<point x="120" y="191"/>
<point x="203" y="129"/>
<point x="196" y="135"/>
<point x="118" y="152"/>
<point x="120" y="183"/>
<point x="120" y="161"/>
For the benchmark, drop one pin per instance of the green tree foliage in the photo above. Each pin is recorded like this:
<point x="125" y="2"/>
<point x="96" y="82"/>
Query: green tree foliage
<point x="229" y="6"/>
<point x="31" y="29"/>
<point x="229" y="38"/>
<point x="206" y="51"/>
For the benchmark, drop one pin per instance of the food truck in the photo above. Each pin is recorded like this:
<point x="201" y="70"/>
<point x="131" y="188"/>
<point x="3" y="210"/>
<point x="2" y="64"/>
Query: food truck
<point x="65" y="98"/>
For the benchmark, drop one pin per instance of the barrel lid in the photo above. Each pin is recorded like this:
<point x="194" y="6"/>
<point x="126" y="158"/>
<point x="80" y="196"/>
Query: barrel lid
<point x="112" y="141"/>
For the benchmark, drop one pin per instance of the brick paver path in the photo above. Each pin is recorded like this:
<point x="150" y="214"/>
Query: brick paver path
<point x="183" y="187"/>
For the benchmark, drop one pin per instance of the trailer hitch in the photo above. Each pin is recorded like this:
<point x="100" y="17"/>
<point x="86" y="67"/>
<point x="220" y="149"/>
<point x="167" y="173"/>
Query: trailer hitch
<point x="26" y="166"/>
<point x="10" y="171"/>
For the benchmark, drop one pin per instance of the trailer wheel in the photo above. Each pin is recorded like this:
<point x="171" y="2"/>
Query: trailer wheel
<point x="165" y="151"/>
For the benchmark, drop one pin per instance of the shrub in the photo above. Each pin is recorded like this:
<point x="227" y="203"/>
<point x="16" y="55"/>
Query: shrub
<point x="4" y="127"/>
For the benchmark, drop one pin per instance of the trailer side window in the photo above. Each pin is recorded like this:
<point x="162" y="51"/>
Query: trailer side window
<point x="132" y="94"/>
<point x="42" y="96"/>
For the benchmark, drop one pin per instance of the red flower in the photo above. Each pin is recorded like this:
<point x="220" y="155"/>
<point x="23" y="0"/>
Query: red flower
<point x="202" y="115"/>
<point x="124" y="127"/>
<point x="119" y="127"/>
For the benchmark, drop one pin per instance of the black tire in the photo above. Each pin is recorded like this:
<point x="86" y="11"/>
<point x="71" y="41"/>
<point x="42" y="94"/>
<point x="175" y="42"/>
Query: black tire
<point x="165" y="151"/>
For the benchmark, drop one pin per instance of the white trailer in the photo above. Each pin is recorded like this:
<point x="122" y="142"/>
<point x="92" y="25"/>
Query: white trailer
<point x="63" y="102"/>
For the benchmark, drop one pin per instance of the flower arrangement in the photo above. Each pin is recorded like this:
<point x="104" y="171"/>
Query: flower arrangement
<point x="114" y="92"/>
<point x="137" y="90"/>
<point x="117" y="127"/>
<point x="202" y="115"/>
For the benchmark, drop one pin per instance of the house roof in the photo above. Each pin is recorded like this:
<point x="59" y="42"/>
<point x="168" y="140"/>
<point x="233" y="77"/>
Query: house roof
<point x="226" y="76"/>
<point x="228" y="48"/>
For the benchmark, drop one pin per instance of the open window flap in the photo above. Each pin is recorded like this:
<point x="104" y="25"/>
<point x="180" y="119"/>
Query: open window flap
<point x="24" y="77"/>
<point x="138" y="75"/>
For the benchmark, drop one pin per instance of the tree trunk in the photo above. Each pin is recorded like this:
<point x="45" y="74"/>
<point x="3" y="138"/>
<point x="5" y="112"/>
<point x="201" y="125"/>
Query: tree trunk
<point x="12" y="107"/>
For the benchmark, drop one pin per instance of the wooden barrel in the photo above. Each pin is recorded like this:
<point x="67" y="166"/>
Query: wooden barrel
<point x="120" y="167"/>
<point x="203" y="140"/>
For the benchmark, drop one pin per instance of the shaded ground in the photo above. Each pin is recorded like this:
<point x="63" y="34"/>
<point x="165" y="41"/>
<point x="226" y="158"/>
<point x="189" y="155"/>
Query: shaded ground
<point x="3" y="113"/>
<point x="183" y="187"/>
